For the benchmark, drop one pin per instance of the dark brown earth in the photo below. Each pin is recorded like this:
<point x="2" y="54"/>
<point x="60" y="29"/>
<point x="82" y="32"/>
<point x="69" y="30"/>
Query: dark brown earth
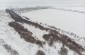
<point x="40" y="52"/>
<point x="8" y="48"/>
<point x="25" y="34"/>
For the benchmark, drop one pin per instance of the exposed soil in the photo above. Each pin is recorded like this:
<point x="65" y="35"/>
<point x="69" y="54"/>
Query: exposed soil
<point x="63" y="51"/>
<point x="40" y="52"/>
<point x="65" y="40"/>
<point x="8" y="48"/>
<point x="25" y="34"/>
<point x="18" y="18"/>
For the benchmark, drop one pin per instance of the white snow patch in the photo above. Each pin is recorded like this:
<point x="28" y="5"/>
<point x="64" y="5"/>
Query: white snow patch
<point x="65" y="20"/>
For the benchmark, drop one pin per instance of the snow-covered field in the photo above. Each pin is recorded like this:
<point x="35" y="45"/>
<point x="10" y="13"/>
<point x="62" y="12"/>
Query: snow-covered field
<point x="65" y="20"/>
<point x="80" y="8"/>
<point x="12" y="43"/>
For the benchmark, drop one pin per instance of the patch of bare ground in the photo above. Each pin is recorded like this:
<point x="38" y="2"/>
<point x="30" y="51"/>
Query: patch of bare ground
<point x="18" y="18"/>
<point x="10" y="50"/>
<point x="25" y="34"/>
<point x="53" y="36"/>
<point x="63" y="51"/>
<point x="40" y="52"/>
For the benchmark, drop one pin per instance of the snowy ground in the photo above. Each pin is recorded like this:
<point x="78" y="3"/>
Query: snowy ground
<point x="65" y="20"/>
<point x="73" y="8"/>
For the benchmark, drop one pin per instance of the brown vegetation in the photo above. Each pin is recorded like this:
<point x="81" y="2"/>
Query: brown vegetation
<point x="10" y="50"/>
<point x="25" y="34"/>
<point x="54" y="36"/>
<point x="40" y="52"/>
<point x="63" y="51"/>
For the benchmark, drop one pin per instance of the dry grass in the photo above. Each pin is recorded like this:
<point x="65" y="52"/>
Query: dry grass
<point x="25" y="34"/>
<point x="40" y="52"/>
<point x="10" y="50"/>
<point x="53" y="36"/>
<point x="63" y="51"/>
